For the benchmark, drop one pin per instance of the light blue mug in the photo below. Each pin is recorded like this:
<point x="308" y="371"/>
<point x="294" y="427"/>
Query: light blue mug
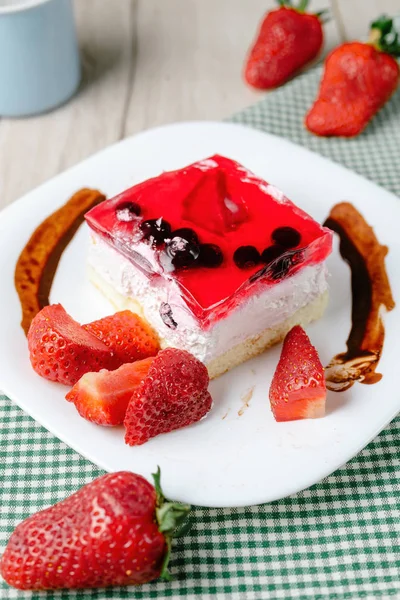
<point x="39" y="58"/>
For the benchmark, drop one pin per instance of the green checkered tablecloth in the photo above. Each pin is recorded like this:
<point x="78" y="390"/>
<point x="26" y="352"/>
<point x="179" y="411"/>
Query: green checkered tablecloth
<point x="339" y="539"/>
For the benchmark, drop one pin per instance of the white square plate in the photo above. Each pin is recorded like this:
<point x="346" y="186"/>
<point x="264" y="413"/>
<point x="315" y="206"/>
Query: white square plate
<point x="237" y="455"/>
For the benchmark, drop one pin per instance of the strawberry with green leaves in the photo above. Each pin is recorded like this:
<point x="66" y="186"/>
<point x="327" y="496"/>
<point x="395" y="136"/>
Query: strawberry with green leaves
<point x="359" y="78"/>
<point x="288" y="39"/>
<point x="116" y="530"/>
<point x="298" y="389"/>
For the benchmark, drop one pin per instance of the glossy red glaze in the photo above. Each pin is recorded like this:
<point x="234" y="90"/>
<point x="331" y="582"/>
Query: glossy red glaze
<point x="225" y="205"/>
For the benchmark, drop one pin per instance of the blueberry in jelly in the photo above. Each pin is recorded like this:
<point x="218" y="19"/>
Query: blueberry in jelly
<point x="246" y="257"/>
<point x="187" y="234"/>
<point x="127" y="211"/>
<point x="286" y="237"/>
<point x="167" y="317"/>
<point x="156" y="230"/>
<point x="182" y="252"/>
<point x="210" y="256"/>
<point x="271" y="253"/>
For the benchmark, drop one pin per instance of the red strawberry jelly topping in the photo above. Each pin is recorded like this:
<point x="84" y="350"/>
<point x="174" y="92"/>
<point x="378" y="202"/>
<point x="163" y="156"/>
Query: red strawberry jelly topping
<point x="218" y="204"/>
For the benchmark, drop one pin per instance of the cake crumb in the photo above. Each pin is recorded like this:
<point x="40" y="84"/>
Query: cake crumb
<point x="246" y="400"/>
<point x="226" y="414"/>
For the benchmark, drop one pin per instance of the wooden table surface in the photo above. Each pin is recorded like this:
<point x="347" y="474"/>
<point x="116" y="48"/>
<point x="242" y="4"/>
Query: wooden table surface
<point x="149" y="62"/>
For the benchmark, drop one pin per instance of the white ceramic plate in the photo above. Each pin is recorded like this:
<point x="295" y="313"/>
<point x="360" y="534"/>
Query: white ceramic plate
<point x="237" y="455"/>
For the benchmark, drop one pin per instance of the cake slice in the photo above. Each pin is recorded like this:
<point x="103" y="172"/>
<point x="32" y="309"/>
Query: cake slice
<point x="219" y="262"/>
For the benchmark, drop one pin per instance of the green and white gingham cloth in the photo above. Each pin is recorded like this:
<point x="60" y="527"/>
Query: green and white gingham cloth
<point x="339" y="539"/>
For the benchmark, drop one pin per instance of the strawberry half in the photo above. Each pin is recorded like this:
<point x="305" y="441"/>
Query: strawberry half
<point x="61" y="350"/>
<point x="116" y="530"/>
<point x="104" y="397"/>
<point x="298" y="388"/>
<point x="173" y="395"/>
<point x="126" y="335"/>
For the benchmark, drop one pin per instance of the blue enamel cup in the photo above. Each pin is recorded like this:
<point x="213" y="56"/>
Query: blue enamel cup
<point x="39" y="58"/>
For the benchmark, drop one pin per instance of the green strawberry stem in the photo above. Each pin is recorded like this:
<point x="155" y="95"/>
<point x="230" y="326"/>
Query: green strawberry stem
<point x="302" y="8"/>
<point x="385" y="35"/>
<point x="172" y="521"/>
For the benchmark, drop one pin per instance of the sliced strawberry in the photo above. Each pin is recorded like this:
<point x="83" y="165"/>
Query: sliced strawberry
<point x="61" y="350"/>
<point x="173" y="395"/>
<point x="126" y="335"/>
<point x="103" y="397"/>
<point x="298" y="387"/>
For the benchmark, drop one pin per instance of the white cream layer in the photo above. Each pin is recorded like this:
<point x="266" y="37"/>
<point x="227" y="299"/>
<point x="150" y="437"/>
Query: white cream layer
<point x="261" y="311"/>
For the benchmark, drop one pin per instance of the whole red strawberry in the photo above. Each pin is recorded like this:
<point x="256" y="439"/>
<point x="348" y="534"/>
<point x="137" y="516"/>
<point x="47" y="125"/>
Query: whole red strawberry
<point x="173" y="395"/>
<point x="61" y="350"/>
<point x="298" y="388"/>
<point x="288" y="39"/>
<point x="116" y="530"/>
<point x="359" y="78"/>
<point x="126" y="335"/>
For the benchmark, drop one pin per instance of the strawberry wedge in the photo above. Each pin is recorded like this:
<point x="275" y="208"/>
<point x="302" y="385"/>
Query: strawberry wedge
<point x="103" y="397"/>
<point x="61" y="350"/>
<point x="298" y="388"/>
<point x="127" y="336"/>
